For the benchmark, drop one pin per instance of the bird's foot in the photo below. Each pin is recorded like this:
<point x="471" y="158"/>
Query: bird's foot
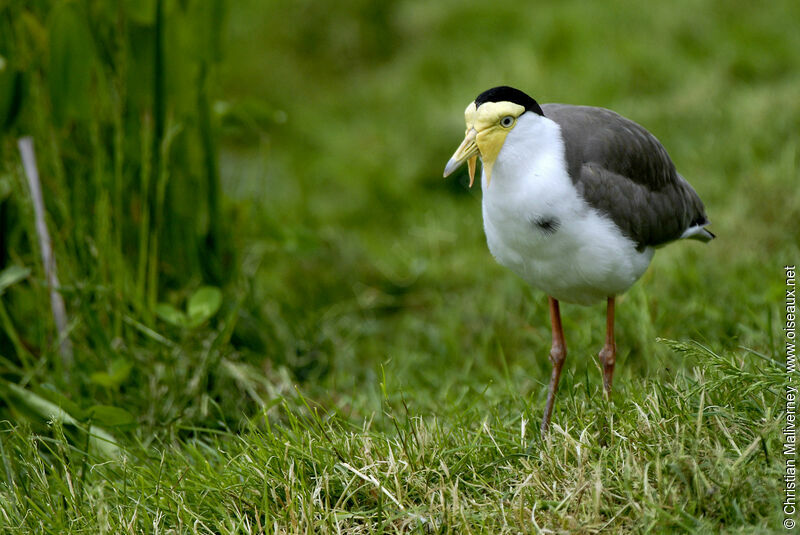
<point x="608" y="357"/>
<point x="558" y="354"/>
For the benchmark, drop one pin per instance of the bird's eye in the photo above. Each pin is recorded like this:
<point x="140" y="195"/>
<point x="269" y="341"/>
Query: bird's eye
<point x="507" y="121"/>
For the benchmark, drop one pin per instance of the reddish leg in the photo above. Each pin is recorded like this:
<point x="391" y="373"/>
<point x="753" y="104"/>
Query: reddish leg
<point x="558" y="352"/>
<point x="608" y="355"/>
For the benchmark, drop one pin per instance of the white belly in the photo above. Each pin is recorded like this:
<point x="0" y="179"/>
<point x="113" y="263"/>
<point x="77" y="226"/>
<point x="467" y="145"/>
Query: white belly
<point x="583" y="259"/>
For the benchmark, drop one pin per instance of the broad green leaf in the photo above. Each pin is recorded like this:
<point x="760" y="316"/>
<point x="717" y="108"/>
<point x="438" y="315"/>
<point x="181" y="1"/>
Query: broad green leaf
<point x="8" y="184"/>
<point x="100" y="440"/>
<point x="50" y="393"/>
<point x="181" y="66"/>
<point x="12" y="275"/>
<point x="171" y="315"/>
<point x="117" y="374"/>
<point x="139" y="61"/>
<point x="34" y="29"/>
<point x="70" y="67"/>
<point x="40" y="405"/>
<point x="11" y="92"/>
<point x="203" y="304"/>
<point x="205" y="23"/>
<point x="110" y="416"/>
<point x="141" y="11"/>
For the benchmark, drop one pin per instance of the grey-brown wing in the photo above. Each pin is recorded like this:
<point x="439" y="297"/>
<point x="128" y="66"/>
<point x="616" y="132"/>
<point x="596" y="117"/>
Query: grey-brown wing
<point x="622" y="170"/>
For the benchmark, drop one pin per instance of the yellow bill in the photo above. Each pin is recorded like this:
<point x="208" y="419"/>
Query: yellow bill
<point x="466" y="152"/>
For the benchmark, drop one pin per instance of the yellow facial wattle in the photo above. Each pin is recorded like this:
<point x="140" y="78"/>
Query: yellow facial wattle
<point x="487" y="128"/>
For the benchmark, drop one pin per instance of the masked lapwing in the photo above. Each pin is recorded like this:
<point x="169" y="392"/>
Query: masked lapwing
<point x="575" y="201"/>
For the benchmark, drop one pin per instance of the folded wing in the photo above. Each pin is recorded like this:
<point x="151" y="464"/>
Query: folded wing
<point x="623" y="171"/>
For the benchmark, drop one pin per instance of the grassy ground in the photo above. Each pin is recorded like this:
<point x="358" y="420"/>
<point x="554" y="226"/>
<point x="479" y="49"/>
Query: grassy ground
<point x="372" y="370"/>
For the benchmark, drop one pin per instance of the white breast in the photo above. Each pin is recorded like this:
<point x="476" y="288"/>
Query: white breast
<point x="584" y="257"/>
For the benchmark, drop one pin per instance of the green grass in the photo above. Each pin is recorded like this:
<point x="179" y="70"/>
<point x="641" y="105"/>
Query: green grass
<point x="371" y="369"/>
<point x="693" y="451"/>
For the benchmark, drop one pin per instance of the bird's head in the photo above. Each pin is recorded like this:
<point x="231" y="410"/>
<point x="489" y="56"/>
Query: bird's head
<point x="490" y="118"/>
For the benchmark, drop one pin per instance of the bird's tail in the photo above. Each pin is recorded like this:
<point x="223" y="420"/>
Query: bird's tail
<point x="698" y="232"/>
